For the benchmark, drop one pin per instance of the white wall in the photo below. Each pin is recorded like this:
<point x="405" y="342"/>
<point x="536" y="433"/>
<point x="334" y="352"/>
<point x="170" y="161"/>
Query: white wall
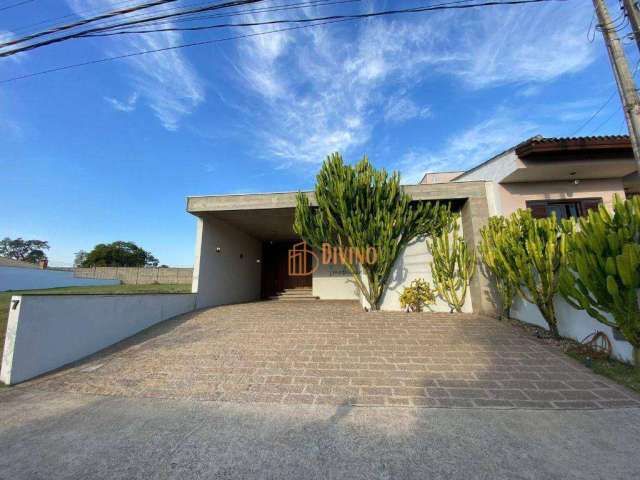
<point x="495" y="169"/>
<point x="413" y="263"/>
<point x="15" y="278"/>
<point x="334" y="282"/>
<point x="572" y="323"/>
<point x="231" y="275"/>
<point x="45" y="332"/>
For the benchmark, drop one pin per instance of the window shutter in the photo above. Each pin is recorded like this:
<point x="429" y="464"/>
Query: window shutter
<point x="538" y="210"/>
<point x="589" y="204"/>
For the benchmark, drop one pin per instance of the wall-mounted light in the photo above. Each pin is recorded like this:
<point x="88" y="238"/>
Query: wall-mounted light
<point x="218" y="250"/>
<point x="258" y="260"/>
<point x="576" y="181"/>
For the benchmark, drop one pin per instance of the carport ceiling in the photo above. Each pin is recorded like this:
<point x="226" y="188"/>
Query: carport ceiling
<point x="264" y="224"/>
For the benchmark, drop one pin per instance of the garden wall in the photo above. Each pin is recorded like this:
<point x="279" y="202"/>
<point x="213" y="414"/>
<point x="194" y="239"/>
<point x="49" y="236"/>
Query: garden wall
<point x="17" y="278"/>
<point x="572" y="323"/>
<point x="45" y="332"/>
<point x="138" y="276"/>
<point x="413" y="263"/>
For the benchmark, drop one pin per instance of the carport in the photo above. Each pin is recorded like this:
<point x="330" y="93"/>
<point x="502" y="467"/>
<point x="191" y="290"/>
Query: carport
<point x="241" y="245"/>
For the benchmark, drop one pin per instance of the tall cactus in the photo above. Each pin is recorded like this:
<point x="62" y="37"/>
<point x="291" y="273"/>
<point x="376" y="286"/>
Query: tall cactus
<point x="505" y="285"/>
<point x="532" y="253"/>
<point x="454" y="263"/>
<point x="604" y="268"/>
<point x="361" y="207"/>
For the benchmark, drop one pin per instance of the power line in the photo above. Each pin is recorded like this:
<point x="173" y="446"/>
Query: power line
<point x="273" y="8"/>
<point x="595" y="114"/>
<point x="79" y="14"/>
<point x="111" y="14"/>
<point x="606" y="120"/>
<point x="86" y="21"/>
<point x="98" y="31"/>
<point x="256" y="34"/>
<point x="276" y="22"/>
<point x="15" y="5"/>
<point x="635" y="70"/>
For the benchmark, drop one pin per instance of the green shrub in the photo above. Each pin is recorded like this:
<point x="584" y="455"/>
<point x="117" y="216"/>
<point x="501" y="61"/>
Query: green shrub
<point x="361" y="207"/>
<point x="454" y="263"/>
<point x="531" y="253"/>
<point x="506" y="286"/>
<point x="604" y="268"/>
<point x="416" y="296"/>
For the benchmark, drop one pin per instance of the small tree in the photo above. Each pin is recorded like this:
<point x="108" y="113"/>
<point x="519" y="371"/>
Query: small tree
<point x="417" y="295"/>
<point x="25" y="250"/>
<point x="489" y="244"/>
<point x="454" y="263"/>
<point x="361" y="207"/>
<point x="604" y="268"/>
<point x="79" y="258"/>
<point x="119" y="254"/>
<point x="532" y="253"/>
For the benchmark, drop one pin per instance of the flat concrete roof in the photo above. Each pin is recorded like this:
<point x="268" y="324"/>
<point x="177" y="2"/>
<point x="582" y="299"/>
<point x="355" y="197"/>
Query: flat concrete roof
<point x="260" y="201"/>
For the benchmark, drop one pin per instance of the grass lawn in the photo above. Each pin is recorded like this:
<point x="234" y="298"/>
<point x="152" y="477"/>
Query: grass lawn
<point x="5" y="297"/>
<point x="617" y="371"/>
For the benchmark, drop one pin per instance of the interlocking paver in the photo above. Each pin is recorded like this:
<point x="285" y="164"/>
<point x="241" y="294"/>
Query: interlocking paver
<point x="334" y="353"/>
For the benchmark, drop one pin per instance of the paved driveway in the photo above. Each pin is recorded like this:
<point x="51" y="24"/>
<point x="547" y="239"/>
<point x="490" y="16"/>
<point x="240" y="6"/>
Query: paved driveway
<point x="333" y="353"/>
<point x="140" y="409"/>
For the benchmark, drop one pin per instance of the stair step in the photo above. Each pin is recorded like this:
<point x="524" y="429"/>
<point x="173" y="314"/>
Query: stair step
<point x="304" y="293"/>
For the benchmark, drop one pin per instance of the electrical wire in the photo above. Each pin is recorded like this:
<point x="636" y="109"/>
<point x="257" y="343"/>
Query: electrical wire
<point x="98" y="31"/>
<point x="595" y="114"/>
<point x="2" y="9"/>
<point x="249" y="35"/>
<point x="86" y="21"/>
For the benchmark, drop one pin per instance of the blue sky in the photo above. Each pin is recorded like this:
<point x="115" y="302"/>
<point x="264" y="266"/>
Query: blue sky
<point x="109" y="152"/>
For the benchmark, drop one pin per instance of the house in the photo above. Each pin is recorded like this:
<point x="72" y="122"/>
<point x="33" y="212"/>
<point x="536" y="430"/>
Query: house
<point x="245" y="243"/>
<point x="567" y="176"/>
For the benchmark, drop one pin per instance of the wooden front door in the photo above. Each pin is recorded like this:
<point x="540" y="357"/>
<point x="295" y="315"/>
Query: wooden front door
<point x="275" y="273"/>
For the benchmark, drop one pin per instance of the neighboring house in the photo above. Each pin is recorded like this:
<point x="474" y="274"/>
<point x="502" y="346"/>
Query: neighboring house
<point x="567" y="176"/>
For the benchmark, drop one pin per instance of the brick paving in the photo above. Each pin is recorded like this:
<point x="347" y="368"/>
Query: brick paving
<point x="334" y="353"/>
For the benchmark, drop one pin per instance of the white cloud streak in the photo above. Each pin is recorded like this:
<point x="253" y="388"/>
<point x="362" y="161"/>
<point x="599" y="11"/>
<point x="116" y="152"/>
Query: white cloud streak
<point x="325" y="89"/>
<point x="167" y="83"/>
<point x="128" y="105"/>
<point x="465" y="149"/>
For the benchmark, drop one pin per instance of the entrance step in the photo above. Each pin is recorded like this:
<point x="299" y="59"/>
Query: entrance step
<point x="295" y="294"/>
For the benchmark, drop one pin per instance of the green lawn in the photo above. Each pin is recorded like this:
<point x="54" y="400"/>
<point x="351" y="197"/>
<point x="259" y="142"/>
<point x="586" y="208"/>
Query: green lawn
<point x="616" y="371"/>
<point x="5" y="297"/>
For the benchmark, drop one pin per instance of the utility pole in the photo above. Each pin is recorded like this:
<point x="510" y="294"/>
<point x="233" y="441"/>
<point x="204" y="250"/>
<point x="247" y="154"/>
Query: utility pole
<point x="633" y="13"/>
<point x="624" y="79"/>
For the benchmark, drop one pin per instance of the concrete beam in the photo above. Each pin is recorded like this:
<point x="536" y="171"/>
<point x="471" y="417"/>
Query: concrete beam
<point x="259" y="201"/>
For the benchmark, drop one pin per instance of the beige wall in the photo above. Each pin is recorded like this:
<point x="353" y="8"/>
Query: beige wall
<point x="231" y="275"/>
<point x="334" y="282"/>
<point x="513" y="196"/>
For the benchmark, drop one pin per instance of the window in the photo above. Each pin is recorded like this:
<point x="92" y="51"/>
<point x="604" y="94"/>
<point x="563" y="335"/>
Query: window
<point x="563" y="208"/>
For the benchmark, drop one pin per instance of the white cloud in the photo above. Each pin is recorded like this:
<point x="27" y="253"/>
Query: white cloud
<point x="166" y="82"/>
<point x="128" y="105"/>
<point x="465" y="149"/>
<point x="530" y="43"/>
<point x="401" y="109"/>
<point x="325" y="89"/>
